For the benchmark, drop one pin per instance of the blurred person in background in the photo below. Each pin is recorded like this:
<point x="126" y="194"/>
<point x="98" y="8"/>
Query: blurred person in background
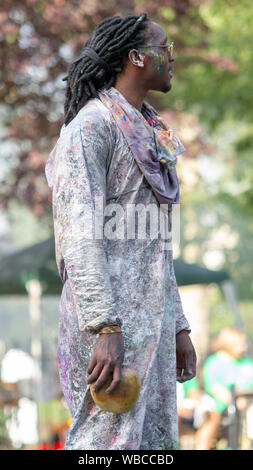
<point x="120" y="300"/>
<point x="226" y="368"/>
<point x="189" y="395"/>
<point x="194" y="406"/>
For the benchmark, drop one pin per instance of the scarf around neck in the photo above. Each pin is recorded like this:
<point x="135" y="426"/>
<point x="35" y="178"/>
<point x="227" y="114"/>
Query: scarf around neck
<point x="154" y="145"/>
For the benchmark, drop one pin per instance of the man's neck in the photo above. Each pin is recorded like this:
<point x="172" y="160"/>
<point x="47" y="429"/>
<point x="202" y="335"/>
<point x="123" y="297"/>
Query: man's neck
<point x="133" y="96"/>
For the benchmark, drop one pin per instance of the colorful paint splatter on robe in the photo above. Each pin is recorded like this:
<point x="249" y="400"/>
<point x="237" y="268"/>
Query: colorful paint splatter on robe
<point x="128" y="282"/>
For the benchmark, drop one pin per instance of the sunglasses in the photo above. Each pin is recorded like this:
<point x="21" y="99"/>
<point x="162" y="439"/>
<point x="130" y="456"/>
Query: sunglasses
<point x="170" y="47"/>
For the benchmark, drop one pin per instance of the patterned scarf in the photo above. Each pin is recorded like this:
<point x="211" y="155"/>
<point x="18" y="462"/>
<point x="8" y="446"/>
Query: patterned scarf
<point x="154" y="145"/>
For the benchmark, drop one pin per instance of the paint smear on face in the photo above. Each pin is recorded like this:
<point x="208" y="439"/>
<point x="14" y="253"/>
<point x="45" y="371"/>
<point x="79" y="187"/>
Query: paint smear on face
<point x="158" y="62"/>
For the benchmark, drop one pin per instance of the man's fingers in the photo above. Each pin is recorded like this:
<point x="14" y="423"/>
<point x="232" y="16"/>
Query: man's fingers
<point x="190" y="369"/>
<point x="179" y="372"/>
<point x="191" y="363"/>
<point x="180" y="375"/>
<point x="92" y="364"/>
<point x="180" y="361"/>
<point x="116" y="379"/>
<point x="102" y="377"/>
<point x="183" y="379"/>
<point x="95" y="373"/>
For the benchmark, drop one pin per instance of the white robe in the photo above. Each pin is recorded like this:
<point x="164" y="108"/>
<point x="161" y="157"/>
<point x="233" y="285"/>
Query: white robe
<point x="122" y="281"/>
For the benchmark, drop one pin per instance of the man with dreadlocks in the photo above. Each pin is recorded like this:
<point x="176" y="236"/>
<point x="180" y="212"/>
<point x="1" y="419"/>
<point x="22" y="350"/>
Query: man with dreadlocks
<point x="120" y="301"/>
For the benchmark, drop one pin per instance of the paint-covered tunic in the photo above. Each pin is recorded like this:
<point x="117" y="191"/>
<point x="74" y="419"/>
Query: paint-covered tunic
<point x="122" y="281"/>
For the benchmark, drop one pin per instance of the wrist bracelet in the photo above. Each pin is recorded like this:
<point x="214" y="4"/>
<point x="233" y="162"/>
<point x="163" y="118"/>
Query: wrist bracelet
<point x="110" y="329"/>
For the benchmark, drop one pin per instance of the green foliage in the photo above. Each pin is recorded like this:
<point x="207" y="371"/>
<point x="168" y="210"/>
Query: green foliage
<point x="219" y="314"/>
<point x="215" y="66"/>
<point x="53" y="411"/>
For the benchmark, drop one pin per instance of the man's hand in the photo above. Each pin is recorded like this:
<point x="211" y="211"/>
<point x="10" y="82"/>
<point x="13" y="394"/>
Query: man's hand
<point x="186" y="357"/>
<point x="107" y="357"/>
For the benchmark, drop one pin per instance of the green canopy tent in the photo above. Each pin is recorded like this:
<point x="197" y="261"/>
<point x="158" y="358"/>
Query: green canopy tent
<point x="38" y="262"/>
<point x="188" y="274"/>
<point x="35" y="262"/>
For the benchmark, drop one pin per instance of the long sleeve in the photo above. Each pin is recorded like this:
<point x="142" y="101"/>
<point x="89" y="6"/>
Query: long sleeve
<point x="79" y="182"/>
<point x="181" y="321"/>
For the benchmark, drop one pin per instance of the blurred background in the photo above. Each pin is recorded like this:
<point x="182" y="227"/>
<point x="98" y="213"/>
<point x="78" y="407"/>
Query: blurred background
<point x="211" y="108"/>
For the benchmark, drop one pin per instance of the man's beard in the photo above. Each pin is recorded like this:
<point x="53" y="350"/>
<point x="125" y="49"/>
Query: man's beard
<point x="166" y="87"/>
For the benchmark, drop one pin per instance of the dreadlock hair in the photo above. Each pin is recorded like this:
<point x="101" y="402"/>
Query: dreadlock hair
<point x="102" y="58"/>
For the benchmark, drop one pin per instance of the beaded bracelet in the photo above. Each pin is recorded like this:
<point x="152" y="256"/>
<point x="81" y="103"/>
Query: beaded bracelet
<point x="110" y="329"/>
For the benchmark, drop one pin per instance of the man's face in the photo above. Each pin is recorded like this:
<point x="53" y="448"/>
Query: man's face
<point x="158" y="63"/>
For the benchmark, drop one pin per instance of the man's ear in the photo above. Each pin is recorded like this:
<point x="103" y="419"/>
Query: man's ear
<point x="136" y="58"/>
